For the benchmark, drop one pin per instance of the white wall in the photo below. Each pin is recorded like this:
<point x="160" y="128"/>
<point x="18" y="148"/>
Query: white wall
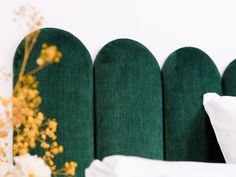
<point x="161" y="25"/>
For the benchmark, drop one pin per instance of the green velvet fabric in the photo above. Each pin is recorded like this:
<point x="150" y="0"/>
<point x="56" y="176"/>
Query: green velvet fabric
<point x="128" y="101"/>
<point x="229" y="80"/>
<point x="187" y="74"/>
<point x="67" y="92"/>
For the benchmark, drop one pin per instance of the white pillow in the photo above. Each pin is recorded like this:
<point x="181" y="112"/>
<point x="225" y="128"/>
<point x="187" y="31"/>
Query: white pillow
<point x="222" y="113"/>
<point x="125" y="166"/>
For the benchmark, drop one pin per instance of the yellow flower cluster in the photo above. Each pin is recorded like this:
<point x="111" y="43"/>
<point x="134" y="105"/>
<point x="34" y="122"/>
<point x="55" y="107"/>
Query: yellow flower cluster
<point x="70" y="168"/>
<point x="49" y="55"/>
<point x="5" y="125"/>
<point x="30" y="125"/>
<point x="5" y="75"/>
<point x="26" y="101"/>
<point x="3" y="130"/>
<point x="3" y="152"/>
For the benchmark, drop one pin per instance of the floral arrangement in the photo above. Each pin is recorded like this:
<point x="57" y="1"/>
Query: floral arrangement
<point x="30" y="125"/>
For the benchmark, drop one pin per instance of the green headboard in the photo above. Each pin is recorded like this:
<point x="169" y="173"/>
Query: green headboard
<point x="188" y="73"/>
<point x="138" y="110"/>
<point x="229" y="79"/>
<point x="128" y="101"/>
<point x="67" y="92"/>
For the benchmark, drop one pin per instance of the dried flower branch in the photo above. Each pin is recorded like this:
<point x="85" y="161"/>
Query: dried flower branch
<point x="29" y="17"/>
<point x="30" y="125"/>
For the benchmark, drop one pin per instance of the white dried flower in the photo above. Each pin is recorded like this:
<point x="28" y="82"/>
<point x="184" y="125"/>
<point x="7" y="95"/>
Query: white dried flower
<point x="28" y="165"/>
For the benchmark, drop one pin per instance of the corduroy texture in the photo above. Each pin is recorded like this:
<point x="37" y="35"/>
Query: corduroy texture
<point x="187" y="74"/>
<point x="128" y="101"/>
<point x="229" y="80"/>
<point x="67" y="92"/>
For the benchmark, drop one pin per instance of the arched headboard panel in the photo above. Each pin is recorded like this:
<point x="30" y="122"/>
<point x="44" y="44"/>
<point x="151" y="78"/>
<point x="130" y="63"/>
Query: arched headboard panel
<point x="128" y="101"/>
<point x="187" y="74"/>
<point x="229" y="80"/>
<point x="67" y="92"/>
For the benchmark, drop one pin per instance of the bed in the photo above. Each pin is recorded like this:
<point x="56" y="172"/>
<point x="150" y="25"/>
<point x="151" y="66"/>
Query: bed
<point x="125" y="104"/>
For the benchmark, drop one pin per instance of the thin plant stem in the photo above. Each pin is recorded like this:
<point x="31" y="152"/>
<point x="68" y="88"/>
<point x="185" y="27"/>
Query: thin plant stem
<point x="37" y="69"/>
<point x="29" y="44"/>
